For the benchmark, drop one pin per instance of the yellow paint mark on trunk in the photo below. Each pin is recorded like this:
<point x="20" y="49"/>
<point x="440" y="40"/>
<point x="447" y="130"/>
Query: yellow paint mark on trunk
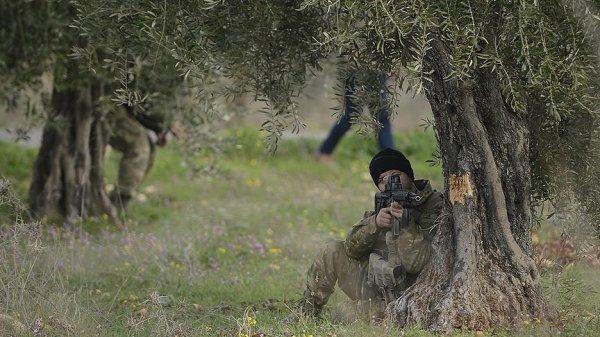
<point x="460" y="188"/>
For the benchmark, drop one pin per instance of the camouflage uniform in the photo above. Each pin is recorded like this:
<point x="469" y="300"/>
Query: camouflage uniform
<point x="366" y="265"/>
<point x="128" y="134"/>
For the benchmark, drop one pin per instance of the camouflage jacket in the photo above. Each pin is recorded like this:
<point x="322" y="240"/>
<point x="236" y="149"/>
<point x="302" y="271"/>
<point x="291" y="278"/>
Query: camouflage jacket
<point x="413" y="246"/>
<point x="150" y="118"/>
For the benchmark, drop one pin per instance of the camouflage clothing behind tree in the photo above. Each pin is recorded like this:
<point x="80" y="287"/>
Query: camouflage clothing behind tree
<point x="128" y="134"/>
<point x="363" y="265"/>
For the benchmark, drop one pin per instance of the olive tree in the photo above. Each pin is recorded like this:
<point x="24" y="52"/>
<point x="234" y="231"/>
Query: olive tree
<point x="39" y="37"/>
<point x="497" y="75"/>
<point x="510" y="83"/>
<point x="67" y="176"/>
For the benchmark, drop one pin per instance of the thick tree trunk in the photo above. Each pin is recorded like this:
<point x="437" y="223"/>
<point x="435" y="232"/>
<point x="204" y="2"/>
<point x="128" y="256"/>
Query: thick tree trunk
<point x="482" y="273"/>
<point x="68" y="176"/>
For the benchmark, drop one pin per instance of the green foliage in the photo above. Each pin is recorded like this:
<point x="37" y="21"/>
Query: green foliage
<point x="203" y="256"/>
<point x="210" y="42"/>
<point x="559" y="67"/>
<point x="542" y="52"/>
<point x="205" y="247"/>
<point x="37" y="37"/>
<point x="14" y="158"/>
<point x="221" y="49"/>
<point x="31" y="284"/>
<point x="46" y="38"/>
<point x="574" y="294"/>
<point x="33" y="35"/>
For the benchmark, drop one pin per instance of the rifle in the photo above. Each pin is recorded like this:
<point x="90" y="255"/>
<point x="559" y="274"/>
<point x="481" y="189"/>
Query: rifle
<point x="394" y="192"/>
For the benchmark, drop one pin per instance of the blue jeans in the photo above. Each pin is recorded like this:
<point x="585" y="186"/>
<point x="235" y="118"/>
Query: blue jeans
<point x="384" y="136"/>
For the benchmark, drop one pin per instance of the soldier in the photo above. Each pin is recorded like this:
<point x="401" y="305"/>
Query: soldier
<point x="370" y="266"/>
<point x="128" y="134"/>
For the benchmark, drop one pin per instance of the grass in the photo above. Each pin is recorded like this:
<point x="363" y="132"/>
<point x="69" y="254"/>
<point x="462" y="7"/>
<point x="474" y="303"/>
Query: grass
<point x="222" y="254"/>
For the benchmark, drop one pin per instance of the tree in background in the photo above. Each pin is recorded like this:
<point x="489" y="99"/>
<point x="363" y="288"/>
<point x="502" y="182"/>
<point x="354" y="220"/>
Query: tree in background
<point x="38" y="38"/>
<point x="67" y="176"/>
<point x="508" y="82"/>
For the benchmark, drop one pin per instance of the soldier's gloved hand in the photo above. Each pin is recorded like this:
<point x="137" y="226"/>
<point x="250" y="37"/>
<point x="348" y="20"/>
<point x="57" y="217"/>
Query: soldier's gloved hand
<point x="384" y="217"/>
<point x="381" y="272"/>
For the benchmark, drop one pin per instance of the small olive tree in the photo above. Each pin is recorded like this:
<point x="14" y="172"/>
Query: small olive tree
<point x="67" y="176"/>
<point x="39" y="37"/>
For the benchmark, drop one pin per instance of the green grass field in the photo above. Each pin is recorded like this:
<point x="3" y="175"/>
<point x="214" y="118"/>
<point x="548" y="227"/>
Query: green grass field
<point x="224" y="254"/>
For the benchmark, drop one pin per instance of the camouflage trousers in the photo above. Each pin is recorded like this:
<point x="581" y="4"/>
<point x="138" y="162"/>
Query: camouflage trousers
<point x="332" y="265"/>
<point x="129" y="137"/>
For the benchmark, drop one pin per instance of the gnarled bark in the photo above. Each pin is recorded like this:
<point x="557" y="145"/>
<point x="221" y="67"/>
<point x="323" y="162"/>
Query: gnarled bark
<point x="68" y="175"/>
<point x="482" y="273"/>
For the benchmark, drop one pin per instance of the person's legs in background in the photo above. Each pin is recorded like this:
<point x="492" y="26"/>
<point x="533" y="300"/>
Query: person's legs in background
<point x="384" y="135"/>
<point x="342" y="126"/>
<point x="385" y="138"/>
